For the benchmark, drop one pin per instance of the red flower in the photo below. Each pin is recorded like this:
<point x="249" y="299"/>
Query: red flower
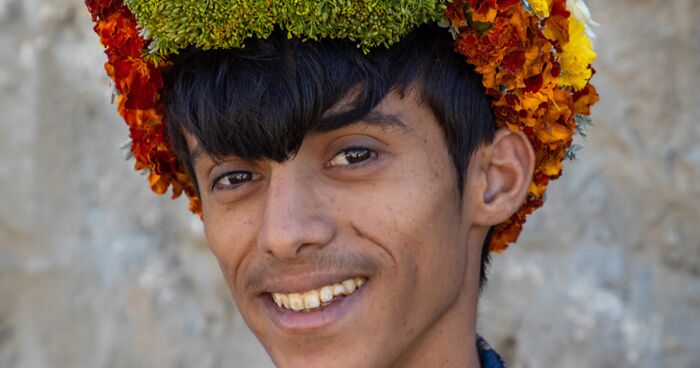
<point x="513" y="50"/>
<point x="516" y="56"/>
<point x="97" y="7"/>
<point x="534" y="84"/>
<point x="514" y="61"/>
<point x="138" y="83"/>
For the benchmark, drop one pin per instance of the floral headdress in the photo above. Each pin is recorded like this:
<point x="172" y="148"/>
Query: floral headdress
<point x="534" y="55"/>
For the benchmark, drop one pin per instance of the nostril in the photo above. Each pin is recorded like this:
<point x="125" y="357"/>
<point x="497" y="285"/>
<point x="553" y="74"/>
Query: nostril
<point x="293" y="238"/>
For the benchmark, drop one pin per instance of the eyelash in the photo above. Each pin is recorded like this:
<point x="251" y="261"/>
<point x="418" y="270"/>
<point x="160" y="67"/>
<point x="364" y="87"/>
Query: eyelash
<point x="250" y="176"/>
<point x="367" y="153"/>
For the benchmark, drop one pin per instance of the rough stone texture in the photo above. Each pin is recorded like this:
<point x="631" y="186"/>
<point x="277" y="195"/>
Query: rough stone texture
<point x="95" y="271"/>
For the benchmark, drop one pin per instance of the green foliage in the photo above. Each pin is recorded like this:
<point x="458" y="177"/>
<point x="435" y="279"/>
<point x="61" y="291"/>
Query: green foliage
<point x="583" y="122"/>
<point x="221" y="24"/>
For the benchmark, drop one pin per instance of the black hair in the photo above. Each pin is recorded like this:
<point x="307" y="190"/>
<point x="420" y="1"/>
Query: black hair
<point x="261" y="100"/>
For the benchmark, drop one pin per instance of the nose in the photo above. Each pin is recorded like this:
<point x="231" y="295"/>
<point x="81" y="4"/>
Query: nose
<point x="294" y="222"/>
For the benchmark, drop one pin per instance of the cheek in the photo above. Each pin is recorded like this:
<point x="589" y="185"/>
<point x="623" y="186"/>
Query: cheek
<point x="414" y="221"/>
<point x="434" y="244"/>
<point x="430" y="229"/>
<point x="227" y="236"/>
<point x="420" y="223"/>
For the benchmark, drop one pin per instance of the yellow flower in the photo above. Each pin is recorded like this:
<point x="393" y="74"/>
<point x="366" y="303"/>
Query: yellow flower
<point x="541" y="7"/>
<point x="576" y="57"/>
<point x="580" y="11"/>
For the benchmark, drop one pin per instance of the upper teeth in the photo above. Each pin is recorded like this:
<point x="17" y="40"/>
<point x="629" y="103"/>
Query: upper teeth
<point x="313" y="299"/>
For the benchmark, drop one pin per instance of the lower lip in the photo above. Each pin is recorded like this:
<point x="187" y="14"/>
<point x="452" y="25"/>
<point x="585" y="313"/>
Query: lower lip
<point x="314" y="321"/>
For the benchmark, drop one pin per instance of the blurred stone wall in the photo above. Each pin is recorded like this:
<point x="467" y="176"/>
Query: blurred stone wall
<point x="95" y="271"/>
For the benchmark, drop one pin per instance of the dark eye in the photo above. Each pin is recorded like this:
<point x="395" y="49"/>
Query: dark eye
<point x="233" y="179"/>
<point x="352" y="156"/>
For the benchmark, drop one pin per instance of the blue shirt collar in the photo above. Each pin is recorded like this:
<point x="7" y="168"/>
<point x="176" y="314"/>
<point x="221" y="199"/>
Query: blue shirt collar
<point x="488" y="358"/>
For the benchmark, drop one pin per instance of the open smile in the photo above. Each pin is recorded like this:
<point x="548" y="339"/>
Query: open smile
<point x="316" y="298"/>
<point x="315" y="309"/>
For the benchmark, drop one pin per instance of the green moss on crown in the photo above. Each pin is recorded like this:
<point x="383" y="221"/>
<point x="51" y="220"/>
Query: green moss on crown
<point x="221" y="24"/>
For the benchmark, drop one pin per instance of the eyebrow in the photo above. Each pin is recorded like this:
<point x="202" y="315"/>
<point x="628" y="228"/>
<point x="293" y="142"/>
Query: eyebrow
<point x="383" y="120"/>
<point x="373" y="118"/>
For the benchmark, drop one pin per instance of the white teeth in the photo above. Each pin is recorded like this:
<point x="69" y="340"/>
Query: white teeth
<point x="278" y="299"/>
<point x="296" y="302"/>
<point x="349" y="286"/>
<point x="326" y="294"/>
<point x="338" y="289"/>
<point x="313" y="299"/>
<point x="359" y="281"/>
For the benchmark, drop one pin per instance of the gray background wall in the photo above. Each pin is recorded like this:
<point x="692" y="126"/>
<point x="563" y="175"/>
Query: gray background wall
<point x="95" y="271"/>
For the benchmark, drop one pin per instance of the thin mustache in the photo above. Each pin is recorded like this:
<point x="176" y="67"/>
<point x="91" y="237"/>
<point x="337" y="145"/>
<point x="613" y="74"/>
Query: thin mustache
<point x="272" y="268"/>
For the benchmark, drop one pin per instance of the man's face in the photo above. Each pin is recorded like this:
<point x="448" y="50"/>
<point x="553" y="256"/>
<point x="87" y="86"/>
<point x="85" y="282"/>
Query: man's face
<point x="373" y="207"/>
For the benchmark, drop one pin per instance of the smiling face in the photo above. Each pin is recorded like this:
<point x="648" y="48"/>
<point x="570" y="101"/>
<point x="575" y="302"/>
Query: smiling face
<point x="372" y="206"/>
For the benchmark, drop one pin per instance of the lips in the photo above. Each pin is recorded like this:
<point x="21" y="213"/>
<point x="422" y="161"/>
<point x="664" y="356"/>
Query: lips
<point x="316" y="308"/>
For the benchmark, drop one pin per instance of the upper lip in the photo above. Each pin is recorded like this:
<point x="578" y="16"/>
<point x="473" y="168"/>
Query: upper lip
<point x="303" y="282"/>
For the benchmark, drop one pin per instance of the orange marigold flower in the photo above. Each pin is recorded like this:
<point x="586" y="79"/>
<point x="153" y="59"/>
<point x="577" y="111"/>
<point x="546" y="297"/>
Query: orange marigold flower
<point x="120" y="35"/>
<point x="455" y="12"/>
<point x="535" y="66"/>
<point x="483" y="11"/>
<point x="556" y="27"/>
<point x="159" y="184"/>
<point x="518" y="57"/>
<point x="137" y="81"/>
<point x="585" y="98"/>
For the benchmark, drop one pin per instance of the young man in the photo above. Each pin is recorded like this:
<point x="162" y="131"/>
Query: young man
<point x="352" y="195"/>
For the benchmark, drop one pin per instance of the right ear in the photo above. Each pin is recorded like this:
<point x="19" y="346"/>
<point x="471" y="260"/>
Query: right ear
<point x="502" y="175"/>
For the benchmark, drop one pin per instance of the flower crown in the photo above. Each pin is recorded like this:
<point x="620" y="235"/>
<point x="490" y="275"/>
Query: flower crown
<point x="534" y="56"/>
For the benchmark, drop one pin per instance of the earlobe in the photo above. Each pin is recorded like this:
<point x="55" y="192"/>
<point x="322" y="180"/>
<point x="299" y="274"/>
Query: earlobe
<point x="502" y="175"/>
